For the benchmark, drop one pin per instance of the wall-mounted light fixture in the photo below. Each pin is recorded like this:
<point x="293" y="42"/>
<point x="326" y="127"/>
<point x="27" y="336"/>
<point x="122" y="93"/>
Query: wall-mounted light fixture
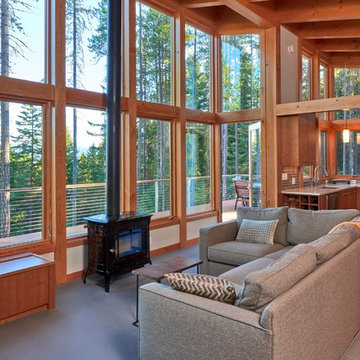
<point x="358" y="138"/>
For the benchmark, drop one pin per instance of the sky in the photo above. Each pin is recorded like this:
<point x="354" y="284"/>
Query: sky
<point x="31" y="66"/>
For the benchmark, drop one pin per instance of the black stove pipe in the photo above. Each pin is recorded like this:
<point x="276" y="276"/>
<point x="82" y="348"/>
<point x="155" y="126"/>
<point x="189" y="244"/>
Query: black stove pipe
<point x="113" y="125"/>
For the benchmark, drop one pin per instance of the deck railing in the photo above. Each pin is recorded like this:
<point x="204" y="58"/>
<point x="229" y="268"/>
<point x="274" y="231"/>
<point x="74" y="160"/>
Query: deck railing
<point x="82" y="200"/>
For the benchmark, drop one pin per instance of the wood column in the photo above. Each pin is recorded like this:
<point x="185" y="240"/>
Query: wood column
<point x="129" y="137"/>
<point x="180" y="130"/>
<point x="270" y="96"/>
<point x="59" y="142"/>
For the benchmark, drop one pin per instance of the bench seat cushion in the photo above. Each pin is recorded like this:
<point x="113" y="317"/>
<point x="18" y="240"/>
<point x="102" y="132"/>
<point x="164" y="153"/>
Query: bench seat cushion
<point x="238" y="253"/>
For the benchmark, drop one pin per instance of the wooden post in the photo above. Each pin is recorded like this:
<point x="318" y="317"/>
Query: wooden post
<point x="59" y="143"/>
<point x="270" y="95"/>
<point x="180" y="130"/>
<point x="129" y="121"/>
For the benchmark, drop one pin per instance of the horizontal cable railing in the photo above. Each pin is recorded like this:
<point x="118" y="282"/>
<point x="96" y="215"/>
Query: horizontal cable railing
<point x="21" y="212"/>
<point x="83" y="200"/>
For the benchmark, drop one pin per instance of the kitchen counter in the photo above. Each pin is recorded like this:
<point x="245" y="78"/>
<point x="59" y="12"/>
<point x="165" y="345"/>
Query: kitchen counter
<point x="319" y="190"/>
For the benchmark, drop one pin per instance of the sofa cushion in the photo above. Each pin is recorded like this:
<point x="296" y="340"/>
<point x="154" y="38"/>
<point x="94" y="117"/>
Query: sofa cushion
<point x="277" y="254"/>
<point x="257" y="231"/>
<point x="330" y="244"/>
<point x="207" y="286"/>
<point x="279" y="213"/>
<point x="238" y="253"/>
<point x="305" y="225"/>
<point x="263" y="286"/>
<point x="238" y="274"/>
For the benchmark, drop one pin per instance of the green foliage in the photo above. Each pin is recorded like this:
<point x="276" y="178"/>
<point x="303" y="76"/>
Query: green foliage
<point x="97" y="42"/>
<point x="305" y="79"/>
<point x="153" y="55"/>
<point x="197" y="76"/>
<point x="240" y="72"/>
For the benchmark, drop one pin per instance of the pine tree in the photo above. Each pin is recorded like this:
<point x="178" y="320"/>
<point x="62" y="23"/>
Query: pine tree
<point x="26" y="169"/>
<point x="11" y="31"/>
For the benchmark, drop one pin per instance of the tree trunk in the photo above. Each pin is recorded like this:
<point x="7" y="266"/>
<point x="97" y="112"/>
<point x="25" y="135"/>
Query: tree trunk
<point x="141" y="69"/>
<point x="194" y="75"/>
<point x="5" y="118"/>
<point x="74" y="194"/>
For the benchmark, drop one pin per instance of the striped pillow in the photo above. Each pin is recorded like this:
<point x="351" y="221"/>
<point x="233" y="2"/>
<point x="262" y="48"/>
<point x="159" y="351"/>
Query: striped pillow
<point x="255" y="231"/>
<point x="210" y="287"/>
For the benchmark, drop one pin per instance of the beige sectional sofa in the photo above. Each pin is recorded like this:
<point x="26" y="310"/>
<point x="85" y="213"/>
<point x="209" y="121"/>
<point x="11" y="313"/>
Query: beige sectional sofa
<point x="308" y="305"/>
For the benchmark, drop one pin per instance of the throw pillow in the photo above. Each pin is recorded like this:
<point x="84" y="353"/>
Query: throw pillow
<point x="254" y="231"/>
<point x="306" y="225"/>
<point x="279" y="213"/>
<point x="262" y="286"/>
<point x="207" y="286"/>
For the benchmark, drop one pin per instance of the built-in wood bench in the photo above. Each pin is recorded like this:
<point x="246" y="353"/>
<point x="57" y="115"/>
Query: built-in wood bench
<point x="27" y="285"/>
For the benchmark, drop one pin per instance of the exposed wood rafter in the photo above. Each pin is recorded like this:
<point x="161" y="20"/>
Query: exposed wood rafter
<point x="194" y="4"/>
<point x="327" y="29"/>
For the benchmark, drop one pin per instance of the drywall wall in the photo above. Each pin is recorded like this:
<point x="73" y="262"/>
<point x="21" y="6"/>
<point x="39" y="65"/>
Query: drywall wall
<point x="163" y="237"/>
<point x="193" y="227"/>
<point x="289" y="66"/>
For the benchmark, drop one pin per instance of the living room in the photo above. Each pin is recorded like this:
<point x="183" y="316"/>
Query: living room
<point x="211" y="92"/>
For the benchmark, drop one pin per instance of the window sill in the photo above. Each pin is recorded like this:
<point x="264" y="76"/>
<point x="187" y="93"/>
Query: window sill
<point x="203" y="215"/>
<point x="39" y="248"/>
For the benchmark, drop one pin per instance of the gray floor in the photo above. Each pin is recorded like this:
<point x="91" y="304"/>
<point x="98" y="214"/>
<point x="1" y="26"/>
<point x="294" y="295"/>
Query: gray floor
<point x="88" y="324"/>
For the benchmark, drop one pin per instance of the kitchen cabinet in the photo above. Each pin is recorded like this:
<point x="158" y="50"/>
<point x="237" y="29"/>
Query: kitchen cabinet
<point x="347" y="198"/>
<point x="306" y="202"/>
<point x="298" y="135"/>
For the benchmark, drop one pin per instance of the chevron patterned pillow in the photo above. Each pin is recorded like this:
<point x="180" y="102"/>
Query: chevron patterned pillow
<point x="203" y="285"/>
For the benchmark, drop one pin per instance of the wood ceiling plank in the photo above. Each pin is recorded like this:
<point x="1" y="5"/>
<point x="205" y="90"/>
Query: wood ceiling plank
<point x="195" y="4"/>
<point x="339" y="45"/>
<point x="326" y="30"/>
<point x="338" y="59"/>
<point x="316" y="10"/>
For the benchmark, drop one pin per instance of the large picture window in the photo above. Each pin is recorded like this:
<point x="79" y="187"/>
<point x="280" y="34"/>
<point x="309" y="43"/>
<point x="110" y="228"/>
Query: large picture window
<point x="198" y="168"/>
<point x="153" y="55"/>
<point x="348" y="154"/>
<point x="153" y="167"/>
<point x="22" y="25"/>
<point x="305" y="78"/>
<point x="240" y="72"/>
<point x="86" y="23"/>
<point x="347" y="83"/>
<point x="21" y="172"/>
<point x="85" y="167"/>
<point x="197" y="60"/>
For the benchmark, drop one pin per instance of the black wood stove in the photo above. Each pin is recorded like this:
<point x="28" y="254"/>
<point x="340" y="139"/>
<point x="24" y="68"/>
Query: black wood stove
<point x="117" y="242"/>
<point x="119" y="245"/>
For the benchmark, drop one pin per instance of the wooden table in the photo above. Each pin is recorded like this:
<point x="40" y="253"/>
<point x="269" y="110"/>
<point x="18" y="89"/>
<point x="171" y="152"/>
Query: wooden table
<point x="157" y="271"/>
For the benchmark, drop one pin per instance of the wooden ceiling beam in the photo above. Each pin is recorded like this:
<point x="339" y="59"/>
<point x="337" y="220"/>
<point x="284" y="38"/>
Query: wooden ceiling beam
<point x="326" y="30"/>
<point x="258" y="14"/>
<point x="316" y="10"/>
<point x="339" y="45"/>
<point x="338" y="59"/>
<point x="196" y="4"/>
<point x="321" y="105"/>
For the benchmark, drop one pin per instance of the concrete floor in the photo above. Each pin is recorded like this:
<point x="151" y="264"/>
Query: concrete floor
<point x="89" y="324"/>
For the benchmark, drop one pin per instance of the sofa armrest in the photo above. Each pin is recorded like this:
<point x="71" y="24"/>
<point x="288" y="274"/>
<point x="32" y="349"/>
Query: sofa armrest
<point x="213" y="234"/>
<point x="176" y="325"/>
